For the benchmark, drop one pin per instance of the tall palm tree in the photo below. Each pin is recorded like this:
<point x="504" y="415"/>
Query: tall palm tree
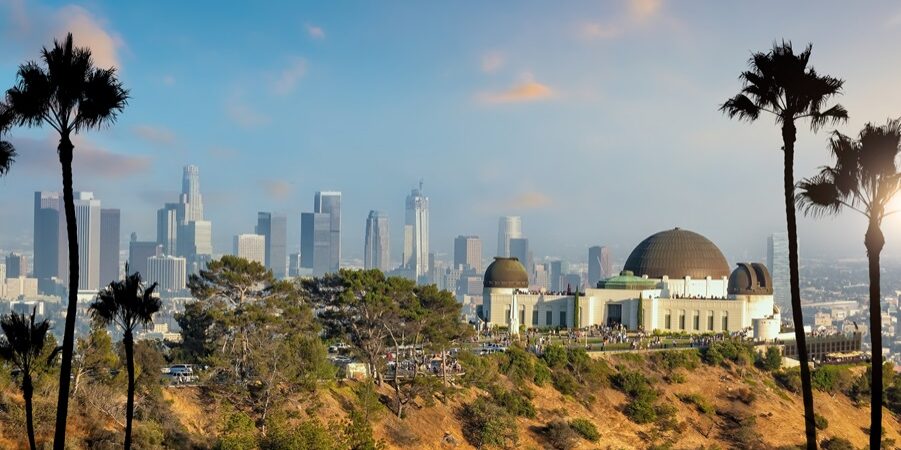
<point x="127" y="304"/>
<point x="70" y="94"/>
<point x="782" y="84"/>
<point x="7" y="151"/>
<point x="22" y="345"/>
<point x="864" y="179"/>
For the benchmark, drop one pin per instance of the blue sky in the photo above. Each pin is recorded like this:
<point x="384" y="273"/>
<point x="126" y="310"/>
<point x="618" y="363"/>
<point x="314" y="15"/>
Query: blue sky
<point x="595" y="121"/>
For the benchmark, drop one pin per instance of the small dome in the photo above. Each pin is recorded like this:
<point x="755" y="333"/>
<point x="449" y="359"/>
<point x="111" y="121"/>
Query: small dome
<point x="750" y="279"/>
<point x="506" y="273"/>
<point x="677" y="253"/>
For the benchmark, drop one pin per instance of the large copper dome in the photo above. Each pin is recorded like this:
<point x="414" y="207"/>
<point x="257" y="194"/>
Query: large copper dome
<point x="677" y="253"/>
<point x="506" y="273"/>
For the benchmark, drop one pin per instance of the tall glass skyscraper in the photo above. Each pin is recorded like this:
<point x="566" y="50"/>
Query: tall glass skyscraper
<point x="376" y="251"/>
<point x="87" y="216"/>
<point x="468" y="253"/>
<point x="508" y="227"/>
<point x="50" y="250"/>
<point x="109" y="245"/>
<point x="274" y="227"/>
<point x="315" y="243"/>
<point x="598" y="265"/>
<point x="329" y="202"/>
<point x="777" y="262"/>
<point x="190" y="194"/>
<point x="416" y="233"/>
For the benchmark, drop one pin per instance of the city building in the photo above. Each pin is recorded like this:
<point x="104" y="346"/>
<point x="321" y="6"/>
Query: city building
<point x="329" y="202"/>
<point x="109" y="245"/>
<point x="251" y="247"/>
<point x="167" y="270"/>
<point x="87" y="216"/>
<point x="315" y="243"/>
<point x="274" y="227"/>
<point x="675" y="280"/>
<point x="294" y="265"/>
<point x="598" y="265"/>
<point x="20" y="287"/>
<point x="51" y="263"/>
<point x="16" y="265"/>
<point x="519" y="249"/>
<point x="468" y="253"/>
<point x="377" y="243"/>
<point x="555" y="275"/>
<point x="190" y="194"/>
<point x="508" y="227"/>
<point x="416" y="233"/>
<point x="139" y="252"/>
<point x="168" y="220"/>
<point x="777" y="262"/>
<point x="195" y="244"/>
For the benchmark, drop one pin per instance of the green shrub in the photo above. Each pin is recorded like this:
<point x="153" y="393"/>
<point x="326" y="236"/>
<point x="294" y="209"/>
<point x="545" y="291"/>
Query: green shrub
<point x="632" y="383"/>
<point x="586" y="429"/>
<point x="771" y="360"/>
<point x="675" y="378"/>
<point x="734" y="350"/>
<point x="699" y="402"/>
<point x="565" y="382"/>
<point x="832" y="379"/>
<point x="518" y="364"/>
<point x="743" y="395"/>
<point x="542" y="373"/>
<point x="517" y="403"/>
<point x="836" y="443"/>
<point x="641" y="409"/>
<point x="821" y="422"/>
<point x="480" y="371"/>
<point x="358" y="433"/>
<point x="789" y="379"/>
<point x="666" y="417"/>
<point x="238" y="432"/>
<point x="488" y="425"/>
<point x="676" y="359"/>
<point x="560" y="435"/>
<point x="555" y="356"/>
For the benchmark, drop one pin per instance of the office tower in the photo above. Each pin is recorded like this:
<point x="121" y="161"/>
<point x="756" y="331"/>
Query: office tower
<point x="329" y="202"/>
<point x="508" y="227"/>
<point x="519" y="249"/>
<point x="190" y="194"/>
<point x="16" y="266"/>
<point x="167" y="270"/>
<point x="468" y="253"/>
<point x="541" y="277"/>
<point x="572" y="282"/>
<point x="416" y="233"/>
<point x="777" y="262"/>
<point x="555" y="276"/>
<point x="87" y="216"/>
<point x="315" y="240"/>
<point x="168" y="220"/>
<point x="251" y="247"/>
<point x="294" y="265"/>
<point x="195" y="239"/>
<point x="109" y="245"/>
<point x="139" y="252"/>
<point x="274" y="227"/>
<point x="2" y="280"/>
<point x="50" y="243"/>
<point x="598" y="265"/>
<point x="376" y="249"/>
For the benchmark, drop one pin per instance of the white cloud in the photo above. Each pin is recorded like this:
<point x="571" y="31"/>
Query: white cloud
<point x="286" y="80"/>
<point x="315" y="32"/>
<point x="242" y="113"/>
<point x="526" y="90"/>
<point x="492" y="62"/>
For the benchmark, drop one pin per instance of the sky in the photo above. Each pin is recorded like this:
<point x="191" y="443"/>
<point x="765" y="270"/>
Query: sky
<point x="596" y="121"/>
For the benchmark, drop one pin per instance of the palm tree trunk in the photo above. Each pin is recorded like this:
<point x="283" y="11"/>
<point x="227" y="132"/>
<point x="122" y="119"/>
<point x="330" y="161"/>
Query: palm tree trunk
<point x="874" y="241"/>
<point x="65" y="149"/>
<point x="27" y="392"/>
<point x="788" y="139"/>
<point x="130" y="402"/>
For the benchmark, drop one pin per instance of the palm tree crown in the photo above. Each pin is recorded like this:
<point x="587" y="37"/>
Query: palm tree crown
<point x="68" y="93"/>
<point x="781" y="83"/>
<point x="23" y="341"/>
<point x="126" y="303"/>
<point x="865" y="175"/>
<point x="7" y="151"/>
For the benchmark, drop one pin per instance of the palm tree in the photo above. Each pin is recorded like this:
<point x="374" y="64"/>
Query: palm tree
<point x="23" y="344"/>
<point x="7" y="151"/>
<point x="781" y="83"/>
<point x="68" y="93"/>
<point x="127" y="304"/>
<point x="864" y="179"/>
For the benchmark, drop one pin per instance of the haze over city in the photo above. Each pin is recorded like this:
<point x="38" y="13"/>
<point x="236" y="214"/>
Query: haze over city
<point x="597" y="123"/>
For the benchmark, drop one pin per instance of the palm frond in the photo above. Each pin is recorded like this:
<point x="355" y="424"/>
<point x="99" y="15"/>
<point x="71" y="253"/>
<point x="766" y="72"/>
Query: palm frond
<point x="742" y="107"/>
<point x="7" y="157"/>
<point x="103" y="98"/>
<point x="29" y="99"/>
<point x="126" y="303"/>
<point x="818" y="196"/>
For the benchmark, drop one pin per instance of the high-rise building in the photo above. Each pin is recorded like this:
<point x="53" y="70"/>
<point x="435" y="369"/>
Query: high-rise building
<point x="555" y="276"/>
<point x="329" y="202"/>
<point x="195" y="239"/>
<point x="190" y="194"/>
<point x="416" y="233"/>
<point x="87" y="216"/>
<point x="168" y="219"/>
<point x="519" y="248"/>
<point x="16" y="266"/>
<point x="508" y="227"/>
<point x="109" y="245"/>
<point x="315" y="242"/>
<point x="572" y="282"/>
<point x="468" y="253"/>
<point x="167" y="270"/>
<point x="777" y="262"/>
<point x="598" y="265"/>
<point x="50" y="244"/>
<point x="251" y="247"/>
<point x="376" y="249"/>
<point x="139" y="252"/>
<point x="294" y="265"/>
<point x="274" y="227"/>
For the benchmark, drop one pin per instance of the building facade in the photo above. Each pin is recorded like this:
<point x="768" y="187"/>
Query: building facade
<point x="777" y="262"/>
<point x="315" y="243"/>
<point x="274" y="227"/>
<point x="508" y="227"/>
<point x="169" y="271"/>
<point x="16" y="265"/>
<point x="468" y="253"/>
<point x="329" y="202"/>
<point x="416" y="233"/>
<point x="251" y="247"/>
<point x="598" y="265"/>
<point x="377" y="243"/>
<point x="109" y="245"/>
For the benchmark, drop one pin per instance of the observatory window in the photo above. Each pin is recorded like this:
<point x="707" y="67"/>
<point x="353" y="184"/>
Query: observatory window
<point x="548" y="318"/>
<point x="563" y="319"/>
<point x="668" y="321"/>
<point x="710" y="321"/>
<point x="725" y="321"/>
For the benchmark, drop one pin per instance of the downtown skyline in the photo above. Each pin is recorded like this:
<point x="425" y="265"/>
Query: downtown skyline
<point x="565" y="103"/>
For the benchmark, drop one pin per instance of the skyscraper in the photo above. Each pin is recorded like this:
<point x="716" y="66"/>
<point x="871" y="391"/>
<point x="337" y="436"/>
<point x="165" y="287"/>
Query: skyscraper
<point x="195" y="239"/>
<point x="169" y="271"/>
<point x="416" y="233"/>
<point x="190" y="194"/>
<point x="329" y="202"/>
<point x="556" y="272"/>
<point x="777" y="262"/>
<point x="598" y="265"/>
<point x="376" y="249"/>
<point x="50" y="248"/>
<point x="508" y="227"/>
<point x="315" y="241"/>
<point x="519" y="248"/>
<point x="16" y="266"/>
<point x="468" y="253"/>
<point x="251" y="247"/>
<point x="139" y="252"/>
<point x="109" y="245"/>
<point x="87" y="216"/>
<point x="274" y="227"/>
<point x="168" y="219"/>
